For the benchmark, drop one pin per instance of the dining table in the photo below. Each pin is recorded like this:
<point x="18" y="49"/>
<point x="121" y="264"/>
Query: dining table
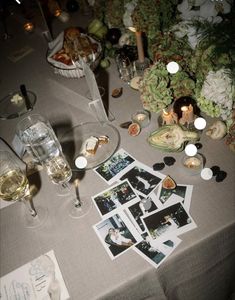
<point x="202" y="267"/>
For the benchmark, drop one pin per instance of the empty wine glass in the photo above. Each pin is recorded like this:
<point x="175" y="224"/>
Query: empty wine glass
<point x="80" y="206"/>
<point x="14" y="186"/>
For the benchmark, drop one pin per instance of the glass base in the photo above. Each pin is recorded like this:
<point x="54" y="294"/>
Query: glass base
<point x="39" y="220"/>
<point x="63" y="190"/>
<point x="76" y="211"/>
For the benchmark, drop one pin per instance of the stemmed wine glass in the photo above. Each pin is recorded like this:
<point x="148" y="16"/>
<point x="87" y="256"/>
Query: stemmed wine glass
<point x="14" y="186"/>
<point x="40" y="137"/>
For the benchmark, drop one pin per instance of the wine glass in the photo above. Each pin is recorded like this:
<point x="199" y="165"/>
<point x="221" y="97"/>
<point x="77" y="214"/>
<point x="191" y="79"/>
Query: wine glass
<point x="80" y="206"/>
<point x="40" y="137"/>
<point x="40" y="141"/>
<point x="14" y="186"/>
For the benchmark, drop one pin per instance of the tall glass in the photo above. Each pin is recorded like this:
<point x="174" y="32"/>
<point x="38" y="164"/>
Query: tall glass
<point x="14" y="186"/>
<point x="36" y="132"/>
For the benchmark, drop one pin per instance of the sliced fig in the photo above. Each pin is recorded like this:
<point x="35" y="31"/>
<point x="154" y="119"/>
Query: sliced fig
<point x="117" y="92"/>
<point x="168" y="183"/>
<point x="134" y="129"/>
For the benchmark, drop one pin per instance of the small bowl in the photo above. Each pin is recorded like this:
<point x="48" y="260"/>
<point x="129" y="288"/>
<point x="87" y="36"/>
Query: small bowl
<point x="10" y="109"/>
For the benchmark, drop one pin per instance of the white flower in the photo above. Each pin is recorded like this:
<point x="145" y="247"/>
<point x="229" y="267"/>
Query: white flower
<point x="218" y="89"/>
<point x="127" y="17"/>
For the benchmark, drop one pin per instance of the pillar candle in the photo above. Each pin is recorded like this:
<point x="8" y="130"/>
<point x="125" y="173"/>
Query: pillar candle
<point x="140" y="47"/>
<point x="167" y="118"/>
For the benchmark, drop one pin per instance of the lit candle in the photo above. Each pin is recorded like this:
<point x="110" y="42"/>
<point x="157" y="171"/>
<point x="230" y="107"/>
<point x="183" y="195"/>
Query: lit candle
<point x="167" y="118"/>
<point x="142" y="118"/>
<point x="190" y="114"/>
<point x="193" y="164"/>
<point x="28" y="27"/>
<point x="174" y="116"/>
<point x="187" y="115"/>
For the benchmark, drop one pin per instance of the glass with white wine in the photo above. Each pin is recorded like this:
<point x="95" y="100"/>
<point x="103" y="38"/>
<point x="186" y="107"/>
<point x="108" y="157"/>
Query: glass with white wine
<point x="14" y="186"/>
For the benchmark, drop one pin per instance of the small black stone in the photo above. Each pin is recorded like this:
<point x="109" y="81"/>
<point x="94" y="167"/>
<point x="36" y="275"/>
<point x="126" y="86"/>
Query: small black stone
<point x="215" y="170"/>
<point x="169" y="160"/>
<point x="158" y="166"/>
<point x="221" y="176"/>
<point x="198" y="145"/>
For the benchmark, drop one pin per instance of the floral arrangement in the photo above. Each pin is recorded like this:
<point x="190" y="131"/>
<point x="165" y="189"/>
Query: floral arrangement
<point x="198" y="34"/>
<point x="217" y="95"/>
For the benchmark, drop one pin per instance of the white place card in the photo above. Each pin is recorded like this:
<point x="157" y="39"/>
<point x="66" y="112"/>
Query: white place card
<point x="40" y="279"/>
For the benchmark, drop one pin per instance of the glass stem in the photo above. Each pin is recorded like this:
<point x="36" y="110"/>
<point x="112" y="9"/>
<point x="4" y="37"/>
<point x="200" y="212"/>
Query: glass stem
<point x="77" y="200"/>
<point x="29" y="207"/>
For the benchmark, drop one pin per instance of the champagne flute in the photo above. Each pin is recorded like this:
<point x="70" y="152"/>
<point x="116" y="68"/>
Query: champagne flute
<point x="14" y="186"/>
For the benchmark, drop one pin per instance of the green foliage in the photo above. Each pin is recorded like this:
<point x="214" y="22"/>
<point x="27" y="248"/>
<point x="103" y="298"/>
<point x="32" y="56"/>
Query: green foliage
<point x="154" y="88"/>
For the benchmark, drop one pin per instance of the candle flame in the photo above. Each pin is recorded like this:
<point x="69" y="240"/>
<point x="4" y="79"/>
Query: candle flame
<point x="57" y="12"/>
<point x="165" y="112"/>
<point x="133" y="29"/>
<point x="184" y="108"/>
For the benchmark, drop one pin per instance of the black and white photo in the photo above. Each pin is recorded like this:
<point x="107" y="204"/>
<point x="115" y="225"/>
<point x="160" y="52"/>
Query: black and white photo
<point x="156" y="252"/>
<point x="141" y="207"/>
<point x="117" y="234"/>
<point x="172" y="219"/>
<point x="143" y="179"/>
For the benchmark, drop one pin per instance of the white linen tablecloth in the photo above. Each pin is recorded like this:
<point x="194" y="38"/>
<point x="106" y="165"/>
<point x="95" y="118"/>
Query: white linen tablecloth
<point x="203" y="265"/>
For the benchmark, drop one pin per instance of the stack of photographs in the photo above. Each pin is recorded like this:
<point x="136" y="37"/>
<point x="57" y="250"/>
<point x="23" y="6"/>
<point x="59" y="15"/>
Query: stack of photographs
<point x="137" y="212"/>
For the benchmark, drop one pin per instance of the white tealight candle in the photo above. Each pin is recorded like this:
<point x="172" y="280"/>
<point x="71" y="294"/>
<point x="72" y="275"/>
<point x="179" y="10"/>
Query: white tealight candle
<point x="206" y="174"/>
<point x="80" y="162"/>
<point x="190" y="150"/>
<point x="172" y="67"/>
<point x="193" y="165"/>
<point x="142" y="118"/>
<point x="200" y="123"/>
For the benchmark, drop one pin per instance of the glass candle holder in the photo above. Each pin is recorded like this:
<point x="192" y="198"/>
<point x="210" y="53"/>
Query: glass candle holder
<point x="142" y="118"/>
<point x="28" y="27"/>
<point x="193" y="164"/>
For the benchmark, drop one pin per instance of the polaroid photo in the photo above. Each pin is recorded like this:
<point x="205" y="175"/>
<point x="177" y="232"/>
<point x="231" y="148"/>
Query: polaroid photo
<point x="156" y="252"/>
<point x="110" y="170"/>
<point x="117" y="234"/>
<point x="141" y="207"/>
<point x="181" y="193"/>
<point x="114" y="198"/>
<point x="142" y="178"/>
<point x="173" y="219"/>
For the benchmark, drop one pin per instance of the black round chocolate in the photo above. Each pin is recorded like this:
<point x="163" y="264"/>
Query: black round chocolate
<point x="221" y="176"/>
<point x="198" y="145"/>
<point x="158" y="166"/>
<point x="215" y="170"/>
<point x="169" y="160"/>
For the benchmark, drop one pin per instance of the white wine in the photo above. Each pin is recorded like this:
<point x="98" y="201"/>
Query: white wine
<point x="13" y="185"/>
<point x="58" y="170"/>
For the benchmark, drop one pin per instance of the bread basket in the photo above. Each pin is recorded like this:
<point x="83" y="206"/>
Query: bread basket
<point x="75" y="70"/>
